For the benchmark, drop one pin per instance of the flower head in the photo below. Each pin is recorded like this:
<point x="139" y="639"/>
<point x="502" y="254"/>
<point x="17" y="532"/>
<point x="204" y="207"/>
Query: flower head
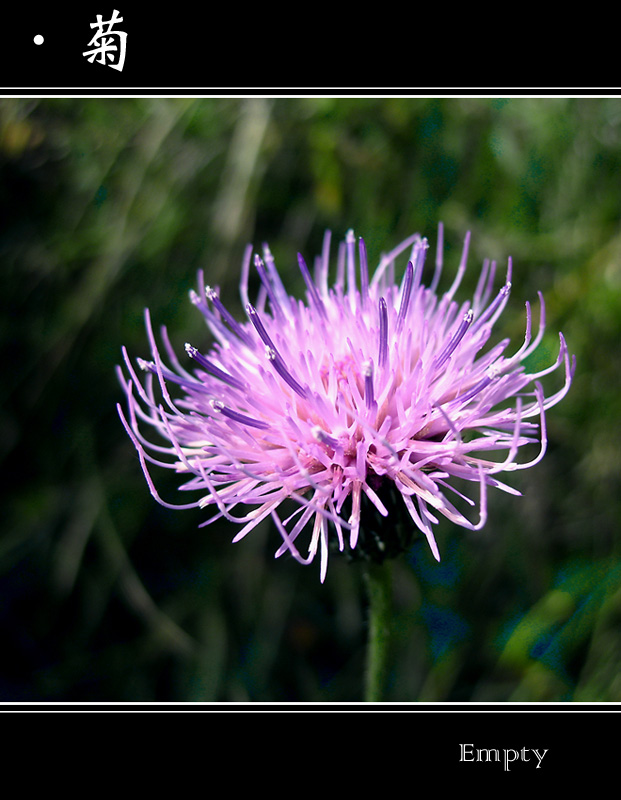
<point x="365" y="397"/>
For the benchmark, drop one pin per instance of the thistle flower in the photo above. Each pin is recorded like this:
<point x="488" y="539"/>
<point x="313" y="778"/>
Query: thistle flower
<point x="367" y="399"/>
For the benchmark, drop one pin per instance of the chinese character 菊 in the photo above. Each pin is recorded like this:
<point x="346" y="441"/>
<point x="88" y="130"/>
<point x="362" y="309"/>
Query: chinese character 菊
<point x="104" y="40"/>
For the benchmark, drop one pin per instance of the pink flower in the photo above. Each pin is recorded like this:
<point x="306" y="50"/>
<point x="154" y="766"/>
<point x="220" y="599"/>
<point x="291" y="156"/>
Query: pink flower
<point x="361" y="391"/>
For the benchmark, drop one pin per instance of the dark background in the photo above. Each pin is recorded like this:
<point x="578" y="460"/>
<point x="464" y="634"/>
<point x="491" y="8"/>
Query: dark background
<point x="108" y="205"/>
<point x="187" y="46"/>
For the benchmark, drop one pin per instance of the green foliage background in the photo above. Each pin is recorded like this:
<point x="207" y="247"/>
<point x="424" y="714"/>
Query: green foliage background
<point x="111" y="205"/>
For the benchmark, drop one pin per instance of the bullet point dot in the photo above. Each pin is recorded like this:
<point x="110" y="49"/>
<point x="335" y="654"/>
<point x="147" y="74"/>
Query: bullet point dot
<point x="38" y="39"/>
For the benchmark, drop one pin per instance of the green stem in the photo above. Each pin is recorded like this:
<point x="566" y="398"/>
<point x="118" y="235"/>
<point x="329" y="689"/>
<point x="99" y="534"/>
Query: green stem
<point x="379" y="588"/>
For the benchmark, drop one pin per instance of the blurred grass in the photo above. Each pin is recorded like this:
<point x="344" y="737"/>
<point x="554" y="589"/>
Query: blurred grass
<point x="110" y="205"/>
